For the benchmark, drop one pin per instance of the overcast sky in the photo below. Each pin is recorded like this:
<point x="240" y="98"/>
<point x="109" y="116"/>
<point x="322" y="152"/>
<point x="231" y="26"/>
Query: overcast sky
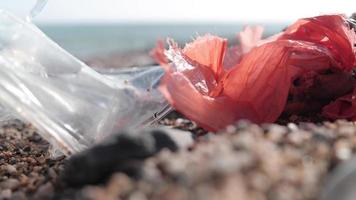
<point x="64" y="11"/>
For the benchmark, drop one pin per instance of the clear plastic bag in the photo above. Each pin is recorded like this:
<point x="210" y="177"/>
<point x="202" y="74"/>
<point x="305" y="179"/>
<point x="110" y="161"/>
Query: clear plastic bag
<point x="71" y="104"/>
<point x="341" y="183"/>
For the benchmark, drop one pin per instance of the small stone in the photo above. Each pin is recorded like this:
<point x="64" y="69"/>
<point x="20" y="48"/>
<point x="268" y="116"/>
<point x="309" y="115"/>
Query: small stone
<point x="119" y="184"/>
<point x="298" y="137"/>
<point x="27" y="149"/>
<point x="109" y="156"/>
<point x="292" y="126"/>
<point x="35" y="138"/>
<point x="19" y="196"/>
<point x="230" y="129"/>
<point x="31" y="161"/>
<point x="44" y="192"/>
<point x="347" y="130"/>
<point x="343" y="151"/>
<point x="173" y="138"/>
<point x="276" y="132"/>
<point x="23" y="179"/>
<point x="137" y="196"/>
<point x="10" y="184"/>
<point x="10" y="169"/>
<point x="34" y="175"/>
<point x="5" y="194"/>
<point x="52" y="174"/>
<point x="37" y="168"/>
<point x="12" y="161"/>
<point x="41" y="160"/>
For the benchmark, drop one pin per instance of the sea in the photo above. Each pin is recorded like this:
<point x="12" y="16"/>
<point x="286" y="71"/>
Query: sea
<point x="86" y="40"/>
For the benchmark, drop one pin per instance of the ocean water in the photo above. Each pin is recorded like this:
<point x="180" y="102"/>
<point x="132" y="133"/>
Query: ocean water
<point x="100" y="39"/>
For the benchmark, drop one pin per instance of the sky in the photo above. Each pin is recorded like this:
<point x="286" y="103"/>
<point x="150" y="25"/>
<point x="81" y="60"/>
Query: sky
<point x="107" y="11"/>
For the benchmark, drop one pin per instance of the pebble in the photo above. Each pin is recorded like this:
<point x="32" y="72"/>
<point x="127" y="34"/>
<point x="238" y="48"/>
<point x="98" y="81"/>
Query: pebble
<point x="44" y="192"/>
<point x="343" y="150"/>
<point x="245" y="162"/>
<point x="123" y="152"/>
<point x="22" y="153"/>
<point x="52" y="174"/>
<point x="276" y="132"/>
<point x="5" y="194"/>
<point x="10" y="169"/>
<point x="292" y="126"/>
<point x="10" y="184"/>
<point x="19" y="196"/>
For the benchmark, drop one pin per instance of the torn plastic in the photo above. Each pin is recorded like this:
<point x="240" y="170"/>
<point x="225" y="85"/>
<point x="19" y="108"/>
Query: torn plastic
<point x="72" y="105"/>
<point x="307" y="66"/>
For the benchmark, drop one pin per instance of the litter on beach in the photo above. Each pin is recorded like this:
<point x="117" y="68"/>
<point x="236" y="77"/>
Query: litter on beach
<point x="306" y="68"/>
<point x="241" y="112"/>
<point x="71" y="104"/>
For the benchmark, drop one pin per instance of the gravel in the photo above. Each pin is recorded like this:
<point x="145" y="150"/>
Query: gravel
<point x="124" y="152"/>
<point x="25" y="161"/>
<point x="245" y="161"/>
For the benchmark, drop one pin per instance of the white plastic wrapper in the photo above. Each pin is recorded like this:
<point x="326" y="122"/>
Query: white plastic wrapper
<point x="72" y="105"/>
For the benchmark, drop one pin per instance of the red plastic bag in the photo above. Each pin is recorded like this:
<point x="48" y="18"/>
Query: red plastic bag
<point x="344" y="108"/>
<point x="216" y="86"/>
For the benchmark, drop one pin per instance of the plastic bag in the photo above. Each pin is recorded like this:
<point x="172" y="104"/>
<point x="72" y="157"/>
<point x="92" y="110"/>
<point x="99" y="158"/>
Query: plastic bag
<point x="72" y="105"/>
<point x="216" y="86"/>
<point x="340" y="184"/>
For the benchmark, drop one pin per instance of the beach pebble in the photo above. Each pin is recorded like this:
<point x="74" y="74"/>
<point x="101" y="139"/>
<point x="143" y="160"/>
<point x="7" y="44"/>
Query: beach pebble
<point x="22" y="152"/>
<point x="52" y="173"/>
<point x="123" y="152"/>
<point x="181" y="139"/>
<point x="44" y="192"/>
<point x="19" y="195"/>
<point x="5" y="194"/>
<point x="10" y="169"/>
<point x="276" y="132"/>
<point x="246" y="162"/>
<point x="10" y="184"/>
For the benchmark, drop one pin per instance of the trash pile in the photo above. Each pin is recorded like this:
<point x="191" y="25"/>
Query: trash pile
<point x="309" y="67"/>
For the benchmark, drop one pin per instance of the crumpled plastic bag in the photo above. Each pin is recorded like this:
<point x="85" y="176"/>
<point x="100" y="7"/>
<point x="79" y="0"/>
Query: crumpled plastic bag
<point x="72" y="105"/>
<point x="259" y="79"/>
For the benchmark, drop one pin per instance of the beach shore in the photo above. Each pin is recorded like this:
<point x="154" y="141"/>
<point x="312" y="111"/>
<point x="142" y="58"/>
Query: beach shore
<point x="290" y="160"/>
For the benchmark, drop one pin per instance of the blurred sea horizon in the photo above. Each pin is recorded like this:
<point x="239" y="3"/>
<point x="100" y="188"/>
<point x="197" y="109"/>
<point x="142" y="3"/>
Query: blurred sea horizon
<point x="87" y="40"/>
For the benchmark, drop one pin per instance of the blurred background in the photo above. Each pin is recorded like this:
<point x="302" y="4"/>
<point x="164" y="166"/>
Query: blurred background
<point x="123" y="31"/>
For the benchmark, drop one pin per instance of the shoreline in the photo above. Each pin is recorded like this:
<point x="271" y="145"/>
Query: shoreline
<point x="139" y="58"/>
